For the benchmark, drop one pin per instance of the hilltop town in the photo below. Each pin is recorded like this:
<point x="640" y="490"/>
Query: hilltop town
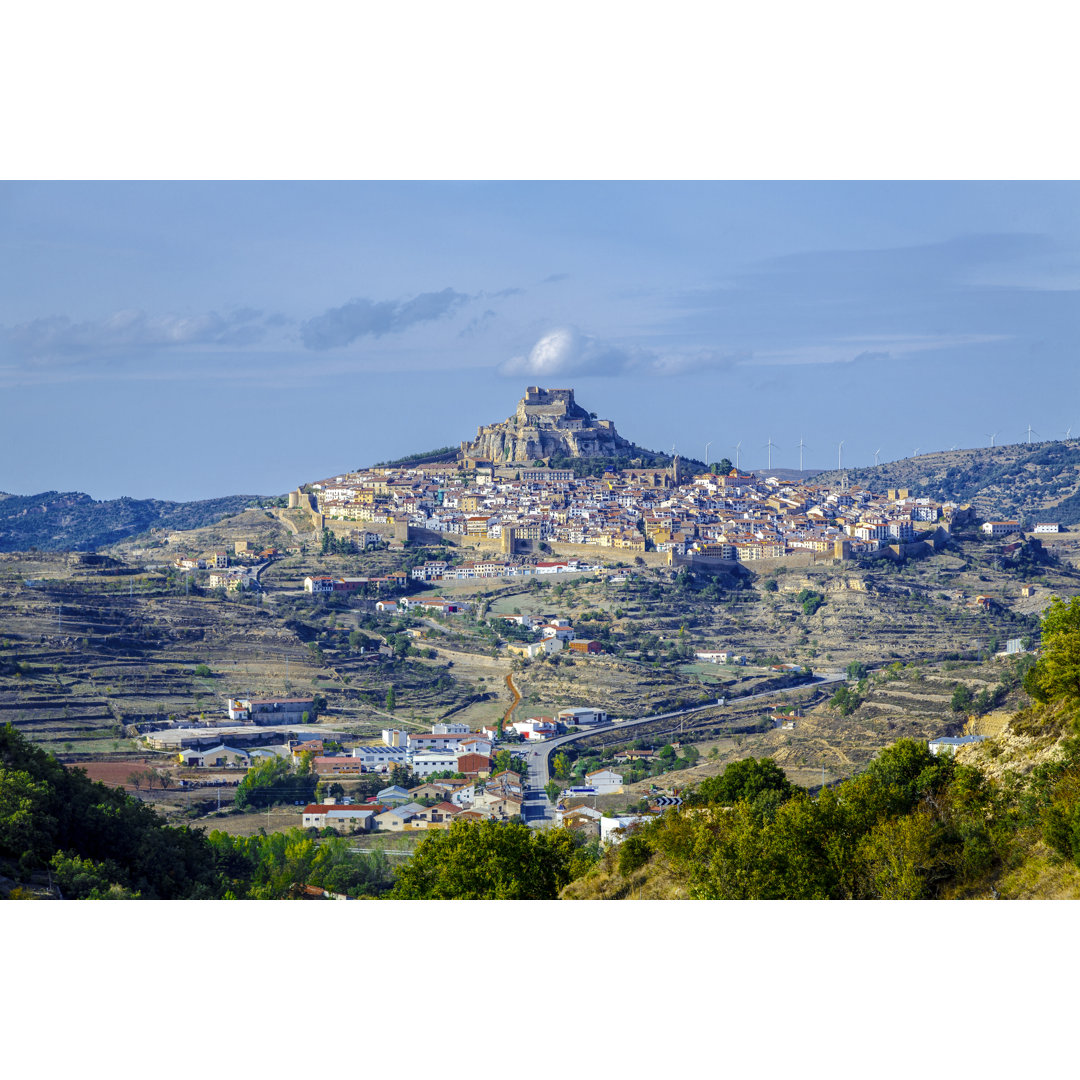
<point x="502" y="496"/>
<point x="568" y="638"/>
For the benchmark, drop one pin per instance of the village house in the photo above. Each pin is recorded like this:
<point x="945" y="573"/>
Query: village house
<point x="581" y="717"/>
<point x="606" y="781"/>
<point x="271" y="710"/>
<point x="343" y="817"/>
<point x="215" y="757"/>
<point x="1000" y="528"/>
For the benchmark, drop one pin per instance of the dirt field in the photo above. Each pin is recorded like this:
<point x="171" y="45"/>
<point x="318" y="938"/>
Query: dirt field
<point x="114" y="773"/>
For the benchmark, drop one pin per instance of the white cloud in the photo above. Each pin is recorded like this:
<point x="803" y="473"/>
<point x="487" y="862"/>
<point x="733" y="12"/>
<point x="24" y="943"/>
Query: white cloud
<point x="567" y="351"/>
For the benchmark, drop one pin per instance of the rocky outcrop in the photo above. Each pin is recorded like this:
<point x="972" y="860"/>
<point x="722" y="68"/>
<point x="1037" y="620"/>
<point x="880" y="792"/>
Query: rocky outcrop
<point x="547" y="423"/>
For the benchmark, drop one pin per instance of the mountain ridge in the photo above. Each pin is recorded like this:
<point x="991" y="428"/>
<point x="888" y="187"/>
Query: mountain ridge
<point x="73" y="521"/>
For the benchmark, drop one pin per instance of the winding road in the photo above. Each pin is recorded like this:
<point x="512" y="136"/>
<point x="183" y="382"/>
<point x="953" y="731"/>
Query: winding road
<point x="537" y="808"/>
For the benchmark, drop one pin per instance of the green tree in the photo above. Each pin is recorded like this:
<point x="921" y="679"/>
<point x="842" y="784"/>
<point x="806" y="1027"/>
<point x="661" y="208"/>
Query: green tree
<point x="743" y="780"/>
<point x="845" y="701"/>
<point x="391" y="699"/>
<point x="271" y="781"/>
<point x="1056" y="674"/>
<point x="810" y="600"/>
<point x="961" y="698"/>
<point x="487" y="860"/>
<point x="561" y="765"/>
<point x="552" y="789"/>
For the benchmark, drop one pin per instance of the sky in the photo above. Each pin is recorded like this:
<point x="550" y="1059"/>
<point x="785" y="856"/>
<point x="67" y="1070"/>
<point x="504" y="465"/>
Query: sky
<point x="198" y="338"/>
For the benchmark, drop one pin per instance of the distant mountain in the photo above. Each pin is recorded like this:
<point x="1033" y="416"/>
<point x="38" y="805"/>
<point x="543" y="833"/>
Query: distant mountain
<point x="1027" y="481"/>
<point x="72" y="521"/>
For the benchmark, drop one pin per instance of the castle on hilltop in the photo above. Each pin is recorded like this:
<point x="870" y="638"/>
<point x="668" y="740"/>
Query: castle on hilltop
<point x="547" y="423"/>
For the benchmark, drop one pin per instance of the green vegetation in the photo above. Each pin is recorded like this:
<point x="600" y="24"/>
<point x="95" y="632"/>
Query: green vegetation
<point x="487" y="860"/>
<point x="1057" y="674"/>
<point x="911" y="826"/>
<point x="426" y="457"/>
<point x="505" y="760"/>
<point x="273" y="867"/>
<point x="746" y="779"/>
<point x="636" y="457"/>
<point x="845" y="701"/>
<point x="810" y="600"/>
<point x="97" y="842"/>
<point x="275" y="780"/>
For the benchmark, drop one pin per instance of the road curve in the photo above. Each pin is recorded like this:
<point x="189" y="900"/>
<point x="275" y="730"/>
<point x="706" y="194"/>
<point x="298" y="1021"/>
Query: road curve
<point x="537" y="806"/>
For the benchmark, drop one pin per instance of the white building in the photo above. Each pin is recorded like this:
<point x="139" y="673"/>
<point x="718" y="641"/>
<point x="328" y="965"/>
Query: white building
<point x="947" y="744"/>
<point x="606" y="781"/>
<point x="614" y="830"/>
<point x="581" y="717"/>
<point x="433" y="761"/>
<point x="380" y="758"/>
<point x="1000" y="528"/>
<point x="338" y="817"/>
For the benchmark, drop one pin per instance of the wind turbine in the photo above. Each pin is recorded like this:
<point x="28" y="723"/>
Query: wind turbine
<point x="707" y="445"/>
<point x="737" y="447"/>
<point x="802" y="446"/>
<point x="916" y="453"/>
<point x="769" y="446"/>
<point x="1031" y="431"/>
<point x="877" y="453"/>
<point x="991" y="436"/>
<point x="1068" y="433"/>
<point x="840" y="456"/>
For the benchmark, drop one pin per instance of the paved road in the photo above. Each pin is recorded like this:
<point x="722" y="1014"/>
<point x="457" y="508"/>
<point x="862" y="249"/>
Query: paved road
<point x="538" y="811"/>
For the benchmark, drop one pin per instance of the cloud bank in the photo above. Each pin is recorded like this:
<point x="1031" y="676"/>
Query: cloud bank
<point x="59" y="336"/>
<point x="340" y="326"/>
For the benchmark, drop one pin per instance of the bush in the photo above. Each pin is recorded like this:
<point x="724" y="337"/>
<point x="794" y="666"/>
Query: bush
<point x="634" y="853"/>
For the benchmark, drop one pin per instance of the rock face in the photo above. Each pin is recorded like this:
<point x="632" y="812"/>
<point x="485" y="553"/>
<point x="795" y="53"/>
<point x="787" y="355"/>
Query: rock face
<point x="547" y="423"/>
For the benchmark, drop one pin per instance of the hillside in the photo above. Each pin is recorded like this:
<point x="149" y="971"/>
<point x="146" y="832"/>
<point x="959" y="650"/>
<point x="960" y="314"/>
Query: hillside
<point x="1033" y="482"/>
<point x="73" y="521"/>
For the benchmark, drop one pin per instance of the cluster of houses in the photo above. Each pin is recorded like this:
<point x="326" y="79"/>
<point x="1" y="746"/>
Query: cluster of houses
<point x="735" y="516"/>
<point x="555" y="634"/>
<point x="240" y="575"/>
<point x="397" y="809"/>
<point x="440" y="570"/>
<point x="395" y="580"/>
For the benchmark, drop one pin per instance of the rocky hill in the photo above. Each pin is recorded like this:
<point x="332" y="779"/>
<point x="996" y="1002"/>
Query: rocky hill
<point x="547" y="423"/>
<point x="1029" y="481"/>
<point x="73" y="521"/>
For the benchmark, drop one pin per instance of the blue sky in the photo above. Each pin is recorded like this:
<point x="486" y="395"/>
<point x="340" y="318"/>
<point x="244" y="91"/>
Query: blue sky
<point x="191" y="339"/>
